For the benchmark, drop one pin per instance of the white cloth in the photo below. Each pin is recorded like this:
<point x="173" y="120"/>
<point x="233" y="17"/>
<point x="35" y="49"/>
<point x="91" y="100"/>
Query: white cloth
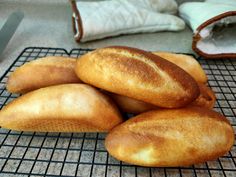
<point x="214" y="25"/>
<point x="111" y="18"/>
<point x="196" y="13"/>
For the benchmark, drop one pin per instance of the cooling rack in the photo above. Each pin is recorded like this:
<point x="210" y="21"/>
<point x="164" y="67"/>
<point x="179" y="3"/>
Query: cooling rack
<point x="84" y="154"/>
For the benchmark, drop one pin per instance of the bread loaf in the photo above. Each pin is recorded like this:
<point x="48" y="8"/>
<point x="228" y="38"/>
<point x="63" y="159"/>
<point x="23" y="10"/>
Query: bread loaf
<point x="62" y="108"/>
<point x="131" y="105"/>
<point x="42" y="72"/>
<point x="206" y="99"/>
<point x="138" y="74"/>
<point x="171" y="137"/>
<point x="187" y="63"/>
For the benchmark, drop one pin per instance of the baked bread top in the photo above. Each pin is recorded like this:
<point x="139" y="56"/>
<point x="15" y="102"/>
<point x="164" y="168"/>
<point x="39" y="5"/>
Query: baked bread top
<point x="138" y="74"/>
<point x="171" y="137"/>
<point x="187" y="63"/>
<point x="61" y="108"/>
<point x="42" y="72"/>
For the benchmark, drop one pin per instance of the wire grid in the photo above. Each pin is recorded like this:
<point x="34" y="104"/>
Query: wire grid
<point x="84" y="154"/>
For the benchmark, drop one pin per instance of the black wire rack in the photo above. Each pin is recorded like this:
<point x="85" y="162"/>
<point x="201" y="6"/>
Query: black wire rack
<point x="84" y="154"/>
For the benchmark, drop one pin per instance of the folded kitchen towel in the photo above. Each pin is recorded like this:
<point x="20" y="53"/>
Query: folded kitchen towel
<point x="97" y="20"/>
<point x="214" y="25"/>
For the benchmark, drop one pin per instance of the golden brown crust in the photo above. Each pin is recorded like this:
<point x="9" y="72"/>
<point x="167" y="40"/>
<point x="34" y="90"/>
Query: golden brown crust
<point x="42" y="72"/>
<point x="187" y="63"/>
<point x="138" y="74"/>
<point x="171" y="137"/>
<point x="197" y="37"/>
<point x="206" y="98"/>
<point x="62" y="108"/>
<point x="131" y="105"/>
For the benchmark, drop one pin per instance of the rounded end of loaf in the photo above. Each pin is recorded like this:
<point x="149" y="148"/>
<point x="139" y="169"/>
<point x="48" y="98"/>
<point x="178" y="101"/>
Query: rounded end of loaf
<point x="187" y="63"/>
<point x="138" y="74"/>
<point x="42" y="72"/>
<point x="171" y="138"/>
<point x="206" y="98"/>
<point x="61" y="108"/>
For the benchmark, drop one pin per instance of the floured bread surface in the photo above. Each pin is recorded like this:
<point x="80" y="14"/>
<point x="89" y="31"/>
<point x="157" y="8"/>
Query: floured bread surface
<point x="187" y="63"/>
<point x="62" y="108"/>
<point x="42" y="72"/>
<point x="138" y="74"/>
<point x="171" y="137"/>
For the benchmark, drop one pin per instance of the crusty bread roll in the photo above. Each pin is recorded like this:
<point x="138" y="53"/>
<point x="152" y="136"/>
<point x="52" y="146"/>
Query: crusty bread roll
<point x="187" y="63"/>
<point x="171" y="137"/>
<point x="206" y="99"/>
<point x="131" y="105"/>
<point x="138" y="74"/>
<point x="62" y="108"/>
<point x="42" y="72"/>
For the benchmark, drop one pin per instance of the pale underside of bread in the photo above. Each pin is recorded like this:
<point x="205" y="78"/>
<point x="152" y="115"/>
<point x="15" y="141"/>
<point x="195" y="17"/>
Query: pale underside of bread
<point x="167" y="138"/>
<point x="131" y="105"/>
<point x="42" y="72"/>
<point x="137" y="74"/>
<point x="206" y="99"/>
<point x="187" y="63"/>
<point x="61" y="108"/>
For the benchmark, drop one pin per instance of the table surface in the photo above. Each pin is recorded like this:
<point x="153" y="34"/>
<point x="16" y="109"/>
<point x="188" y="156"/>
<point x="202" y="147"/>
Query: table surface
<point x="48" y="24"/>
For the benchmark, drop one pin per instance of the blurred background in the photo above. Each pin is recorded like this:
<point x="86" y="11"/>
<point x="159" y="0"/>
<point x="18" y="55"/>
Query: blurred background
<point x="49" y="24"/>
